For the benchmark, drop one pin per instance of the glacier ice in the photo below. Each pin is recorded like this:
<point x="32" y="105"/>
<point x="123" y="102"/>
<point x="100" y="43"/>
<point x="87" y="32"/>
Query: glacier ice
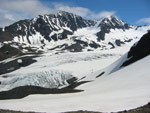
<point x="46" y="79"/>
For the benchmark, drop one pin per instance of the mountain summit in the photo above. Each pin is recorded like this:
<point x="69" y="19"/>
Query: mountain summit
<point x="65" y="31"/>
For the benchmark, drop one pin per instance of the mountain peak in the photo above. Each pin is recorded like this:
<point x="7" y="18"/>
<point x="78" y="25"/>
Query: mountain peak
<point x="64" y="13"/>
<point x="112" y="19"/>
<point x="58" y="13"/>
<point x="114" y="22"/>
<point x="63" y="25"/>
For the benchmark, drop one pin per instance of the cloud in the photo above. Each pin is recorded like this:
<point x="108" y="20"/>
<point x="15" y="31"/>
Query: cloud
<point x="76" y="10"/>
<point x="84" y="12"/>
<point x="33" y="7"/>
<point x="144" y="21"/>
<point x="104" y="14"/>
<point x="9" y="17"/>
<point x="14" y="10"/>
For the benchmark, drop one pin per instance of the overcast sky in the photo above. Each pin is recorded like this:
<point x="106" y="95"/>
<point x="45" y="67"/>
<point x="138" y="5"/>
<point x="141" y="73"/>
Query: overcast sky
<point x="136" y="12"/>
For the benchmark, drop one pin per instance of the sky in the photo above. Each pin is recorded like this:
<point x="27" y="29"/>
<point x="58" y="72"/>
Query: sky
<point x="135" y="12"/>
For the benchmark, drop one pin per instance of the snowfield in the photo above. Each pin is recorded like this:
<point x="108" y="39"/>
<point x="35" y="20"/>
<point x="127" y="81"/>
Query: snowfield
<point x="117" y="91"/>
<point x="53" y="70"/>
<point x="124" y="89"/>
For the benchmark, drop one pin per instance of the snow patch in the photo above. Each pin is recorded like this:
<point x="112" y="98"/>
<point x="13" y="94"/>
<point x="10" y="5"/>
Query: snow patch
<point x="3" y="29"/>
<point x="19" y="60"/>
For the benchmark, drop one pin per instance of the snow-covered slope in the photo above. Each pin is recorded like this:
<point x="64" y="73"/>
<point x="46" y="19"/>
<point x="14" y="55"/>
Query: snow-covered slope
<point x="53" y="70"/>
<point x="114" y="38"/>
<point x="139" y="50"/>
<point x="43" y="29"/>
<point x="121" y="90"/>
<point x="65" y="31"/>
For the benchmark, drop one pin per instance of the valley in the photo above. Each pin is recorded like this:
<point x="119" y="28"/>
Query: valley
<point x="62" y="62"/>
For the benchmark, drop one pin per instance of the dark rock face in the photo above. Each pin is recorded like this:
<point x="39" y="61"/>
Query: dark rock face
<point x="23" y="91"/>
<point x="139" y="51"/>
<point x="100" y="74"/>
<point x="81" y="42"/>
<point x="74" y="48"/>
<point x="5" y="36"/>
<point x="60" y="46"/>
<point x="94" y="45"/>
<point x="119" y="42"/>
<point x="7" y="51"/>
<point x="72" y="80"/>
<point x="53" y="23"/>
<point x="45" y="25"/>
<point x="56" y="27"/>
<point x="15" y="64"/>
<point x="111" y="23"/>
<point x="111" y="45"/>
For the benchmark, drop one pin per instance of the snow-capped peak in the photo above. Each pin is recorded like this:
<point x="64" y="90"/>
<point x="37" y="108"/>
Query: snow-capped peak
<point x="114" y="22"/>
<point x="64" y="13"/>
<point x="64" y="29"/>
